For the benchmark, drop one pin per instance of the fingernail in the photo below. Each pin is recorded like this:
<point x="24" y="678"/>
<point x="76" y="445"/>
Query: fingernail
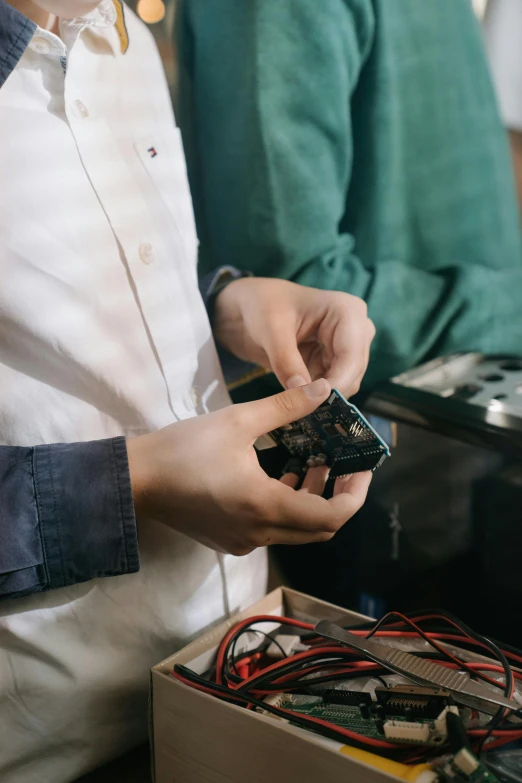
<point x="294" y="381"/>
<point x="319" y="388"/>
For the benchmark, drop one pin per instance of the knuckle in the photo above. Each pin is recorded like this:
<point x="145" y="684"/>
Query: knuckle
<point x="253" y="507"/>
<point x="361" y="304"/>
<point x="356" y="303"/>
<point x="355" y="306"/>
<point x="288" y="402"/>
<point x="356" y="385"/>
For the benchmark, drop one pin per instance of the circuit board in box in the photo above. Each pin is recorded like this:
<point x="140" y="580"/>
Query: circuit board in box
<point x="422" y="731"/>
<point x="337" y="435"/>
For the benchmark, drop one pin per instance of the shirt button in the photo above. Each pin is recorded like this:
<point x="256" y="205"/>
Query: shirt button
<point x="81" y="109"/>
<point x="146" y="252"/>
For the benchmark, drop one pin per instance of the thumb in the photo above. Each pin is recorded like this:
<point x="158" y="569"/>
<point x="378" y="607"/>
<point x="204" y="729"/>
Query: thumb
<point x="283" y="408"/>
<point x="287" y="364"/>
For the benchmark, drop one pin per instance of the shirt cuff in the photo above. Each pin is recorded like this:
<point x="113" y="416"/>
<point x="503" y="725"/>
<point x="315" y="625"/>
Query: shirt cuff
<point x="85" y="510"/>
<point x="211" y="283"/>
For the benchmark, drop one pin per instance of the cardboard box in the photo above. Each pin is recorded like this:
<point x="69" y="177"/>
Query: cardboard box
<point x="197" y="738"/>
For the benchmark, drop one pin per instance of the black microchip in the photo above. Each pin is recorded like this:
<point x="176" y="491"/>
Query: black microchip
<point x="348" y="698"/>
<point x="412" y="701"/>
<point x="331" y="430"/>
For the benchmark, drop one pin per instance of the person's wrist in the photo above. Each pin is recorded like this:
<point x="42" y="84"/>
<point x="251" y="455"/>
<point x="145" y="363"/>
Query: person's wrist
<point x="138" y="474"/>
<point x="226" y="312"/>
<point x="215" y="299"/>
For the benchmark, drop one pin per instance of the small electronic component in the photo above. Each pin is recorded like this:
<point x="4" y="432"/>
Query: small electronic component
<point x="406" y="731"/>
<point x="412" y="701"/>
<point x="336" y="434"/>
<point x="441" y="723"/>
<point x="465" y="766"/>
<point x="349" y="698"/>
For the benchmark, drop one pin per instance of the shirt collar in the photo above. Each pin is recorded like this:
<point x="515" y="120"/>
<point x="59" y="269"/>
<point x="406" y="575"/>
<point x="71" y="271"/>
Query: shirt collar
<point x="16" y="31"/>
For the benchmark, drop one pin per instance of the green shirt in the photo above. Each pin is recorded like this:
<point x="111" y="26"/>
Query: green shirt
<point x="356" y="145"/>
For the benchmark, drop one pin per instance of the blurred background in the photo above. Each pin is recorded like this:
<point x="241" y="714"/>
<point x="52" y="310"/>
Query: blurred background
<point x="160" y="16"/>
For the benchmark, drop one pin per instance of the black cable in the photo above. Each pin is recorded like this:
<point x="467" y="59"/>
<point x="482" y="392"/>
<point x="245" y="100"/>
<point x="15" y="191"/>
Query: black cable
<point x="480" y="638"/>
<point x="239" y="635"/>
<point x="489" y="645"/>
<point x="304" y="681"/>
<point x="291" y="666"/>
<point x="263" y="680"/>
<point x="299" y="720"/>
<point x="243" y="630"/>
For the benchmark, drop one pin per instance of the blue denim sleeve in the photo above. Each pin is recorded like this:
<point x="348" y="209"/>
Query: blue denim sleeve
<point x="66" y="515"/>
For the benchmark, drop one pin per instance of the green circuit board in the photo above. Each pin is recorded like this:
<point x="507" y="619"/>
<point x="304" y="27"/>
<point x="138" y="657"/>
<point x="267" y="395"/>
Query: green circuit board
<point x="337" y="435"/>
<point x="349" y="717"/>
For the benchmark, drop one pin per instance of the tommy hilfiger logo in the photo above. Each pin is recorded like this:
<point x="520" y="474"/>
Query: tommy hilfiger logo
<point x="152" y="152"/>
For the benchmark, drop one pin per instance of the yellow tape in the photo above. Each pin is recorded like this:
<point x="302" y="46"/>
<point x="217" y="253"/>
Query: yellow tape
<point x="121" y="27"/>
<point x="422" y="773"/>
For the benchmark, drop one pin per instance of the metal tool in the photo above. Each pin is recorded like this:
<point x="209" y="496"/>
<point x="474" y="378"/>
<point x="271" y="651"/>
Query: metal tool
<point x="472" y="694"/>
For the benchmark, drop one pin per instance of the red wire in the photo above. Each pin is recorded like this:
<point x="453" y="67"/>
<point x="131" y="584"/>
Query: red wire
<point x="428" y="637"/>
<point x="501" y="737"/>
<point x="287" y="679"/>
<point x="269" y="618"/>
<point x="302" y="656"/>
<point x="345" y="732"/>
<point x="514" y="735"/>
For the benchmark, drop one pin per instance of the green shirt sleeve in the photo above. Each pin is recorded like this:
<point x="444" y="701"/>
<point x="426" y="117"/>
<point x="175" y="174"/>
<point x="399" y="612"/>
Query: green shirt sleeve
<point x="269" y="125"/>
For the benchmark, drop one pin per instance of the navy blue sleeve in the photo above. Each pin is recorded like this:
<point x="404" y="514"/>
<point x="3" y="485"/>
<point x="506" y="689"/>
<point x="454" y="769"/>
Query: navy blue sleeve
<point x="66" y="515"/>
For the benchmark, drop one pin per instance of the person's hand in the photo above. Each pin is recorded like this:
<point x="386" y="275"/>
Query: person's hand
<point x="201" y="477"/>
<point x="299" y="333"/>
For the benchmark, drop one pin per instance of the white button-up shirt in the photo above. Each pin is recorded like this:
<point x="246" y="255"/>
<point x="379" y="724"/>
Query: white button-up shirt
<point x="102" y="333"/>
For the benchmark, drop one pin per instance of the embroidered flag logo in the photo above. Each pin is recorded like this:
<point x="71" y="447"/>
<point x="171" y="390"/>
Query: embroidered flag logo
<point x="152" y="152"/>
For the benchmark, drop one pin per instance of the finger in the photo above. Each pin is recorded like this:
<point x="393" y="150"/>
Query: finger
<point x="303" y="511"/>
<point x="292" y="536"/>
<point x="268" y="414"/>
<point x="356" y="486"/>
<point x="356" y="385"/>
<point x="315" y="480"/>
<point x="290" y="480"/>
<point x="340" y="483"/>
<point x="286" y="361"/>
<point x="350" y="352"/>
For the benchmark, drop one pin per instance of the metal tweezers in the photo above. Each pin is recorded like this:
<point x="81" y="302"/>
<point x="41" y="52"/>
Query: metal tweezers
<point x="472" y="694"/>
